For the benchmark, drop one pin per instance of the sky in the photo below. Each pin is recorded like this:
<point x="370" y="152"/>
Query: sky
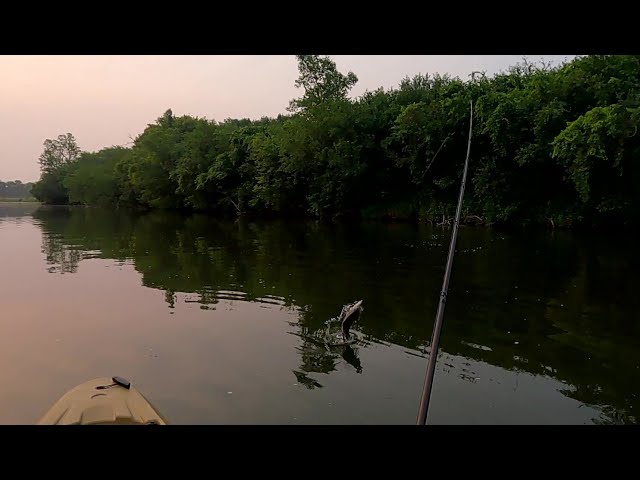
<point x="108" y="100"/>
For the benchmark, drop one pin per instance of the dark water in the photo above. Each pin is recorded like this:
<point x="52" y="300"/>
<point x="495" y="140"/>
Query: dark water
<point x="215" y="321"/>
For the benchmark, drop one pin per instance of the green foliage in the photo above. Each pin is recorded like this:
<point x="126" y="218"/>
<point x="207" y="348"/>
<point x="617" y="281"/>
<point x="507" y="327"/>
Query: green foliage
<point x="92" y="180"/>
<point x="56" y="162"/>
<point x="597" y="150"/>
<point x="550" y="145"/>
<point x="322" y="82"/>
<point x="50" y="188"/>
<point x="59" y="152"/>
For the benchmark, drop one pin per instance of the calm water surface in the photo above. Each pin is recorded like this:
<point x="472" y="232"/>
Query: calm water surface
<point x="217" y="321"/>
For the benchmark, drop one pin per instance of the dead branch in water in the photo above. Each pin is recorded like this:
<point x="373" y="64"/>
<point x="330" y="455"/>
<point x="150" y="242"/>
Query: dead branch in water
<point x="445" y="221"/>
<point x="236" y="206"/>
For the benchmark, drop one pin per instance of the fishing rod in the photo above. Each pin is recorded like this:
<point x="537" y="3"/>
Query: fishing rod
<point x="435" y="338"/>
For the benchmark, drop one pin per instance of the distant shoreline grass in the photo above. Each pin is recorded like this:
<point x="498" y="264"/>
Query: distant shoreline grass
<point x="18" y="200"/>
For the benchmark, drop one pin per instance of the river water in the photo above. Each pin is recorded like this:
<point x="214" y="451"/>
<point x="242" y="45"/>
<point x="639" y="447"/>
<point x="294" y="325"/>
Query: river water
<point x="217" y="322"/>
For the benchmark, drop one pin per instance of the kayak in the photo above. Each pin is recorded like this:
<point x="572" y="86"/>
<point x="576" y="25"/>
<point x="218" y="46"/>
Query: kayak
<point x="103" y="401"/>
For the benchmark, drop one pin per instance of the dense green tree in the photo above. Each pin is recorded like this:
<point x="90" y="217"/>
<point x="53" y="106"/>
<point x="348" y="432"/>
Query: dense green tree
<point x="321" y="81"/>
<point x="50" y="188"/>
<point x="555" y="146"/>
<point x="58" y="152"/>
<point x="599" y="152"/>
<point x="56" y="162"/>
<point x="92" y="180"/>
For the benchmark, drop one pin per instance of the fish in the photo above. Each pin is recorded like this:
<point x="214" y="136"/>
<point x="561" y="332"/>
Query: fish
<point x="349" y="314"/>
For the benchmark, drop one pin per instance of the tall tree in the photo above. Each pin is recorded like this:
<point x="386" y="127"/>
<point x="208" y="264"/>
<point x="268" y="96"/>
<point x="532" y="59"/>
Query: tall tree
<point x="321" y="81"/>
<point x="58" y="152"/>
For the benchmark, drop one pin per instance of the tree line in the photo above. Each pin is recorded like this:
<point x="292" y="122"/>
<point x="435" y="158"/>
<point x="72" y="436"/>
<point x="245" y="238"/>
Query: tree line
<point x="554" y="146"/>
<point x="15" y="189"/>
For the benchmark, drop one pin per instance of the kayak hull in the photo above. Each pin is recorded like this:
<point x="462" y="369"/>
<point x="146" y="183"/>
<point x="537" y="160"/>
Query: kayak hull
<point x="87" y="404"/>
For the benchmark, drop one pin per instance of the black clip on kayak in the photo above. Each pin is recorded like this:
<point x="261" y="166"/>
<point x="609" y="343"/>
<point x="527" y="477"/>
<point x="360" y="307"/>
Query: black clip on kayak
<point x="117" y="381"/>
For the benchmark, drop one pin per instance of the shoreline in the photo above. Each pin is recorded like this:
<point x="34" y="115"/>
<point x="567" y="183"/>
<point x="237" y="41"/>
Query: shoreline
<point x="469" y="221"/>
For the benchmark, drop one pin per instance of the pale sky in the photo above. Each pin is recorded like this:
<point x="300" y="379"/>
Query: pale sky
<point x="107" y="100"/>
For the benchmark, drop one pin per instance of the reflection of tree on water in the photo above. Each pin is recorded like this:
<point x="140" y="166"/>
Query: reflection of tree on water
<point x="306" y="380"/>
<point x="17" y="212"/>
<point x="68" y="237"/>
<point x="63" y="258"/>
<point x="170" y="298"/>
<point x="612" y="416"/>
<point x="574" y="315"/>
